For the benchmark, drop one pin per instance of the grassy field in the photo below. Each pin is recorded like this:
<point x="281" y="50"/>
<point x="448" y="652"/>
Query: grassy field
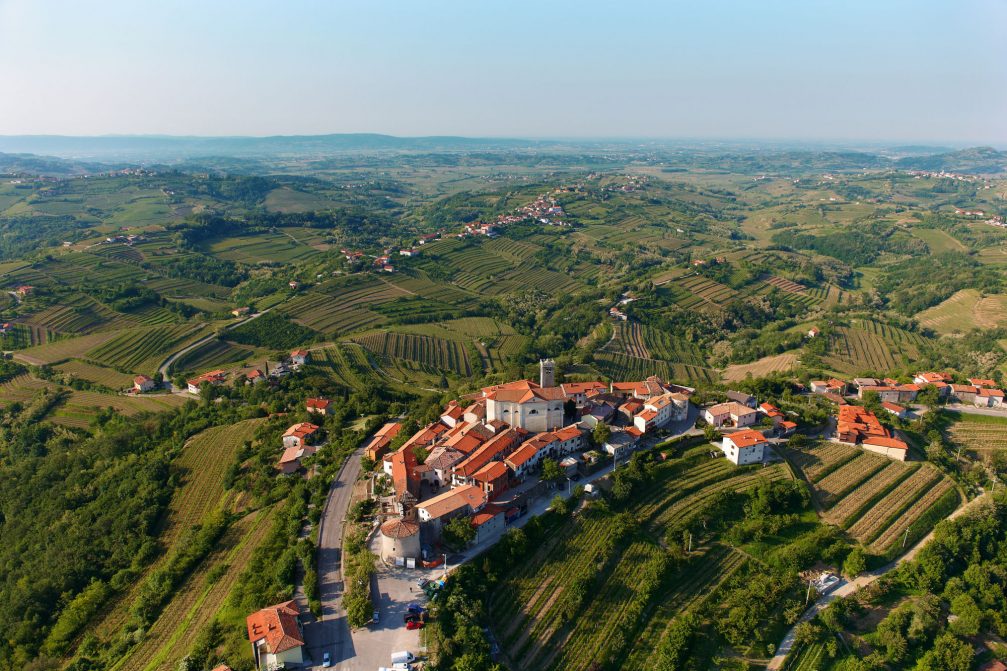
<point x="965" y="310"/>
<point x="938" y="240"/>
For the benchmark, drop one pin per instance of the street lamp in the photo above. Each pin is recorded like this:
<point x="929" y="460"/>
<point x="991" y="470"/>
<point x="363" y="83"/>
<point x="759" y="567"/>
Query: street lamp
<point x="445" y="566"/>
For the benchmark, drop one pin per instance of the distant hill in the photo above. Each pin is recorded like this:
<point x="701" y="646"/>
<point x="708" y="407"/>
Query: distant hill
<point x="974" y="159"/>
<point x="171" y="148"/>
<point x="47" y="165"/>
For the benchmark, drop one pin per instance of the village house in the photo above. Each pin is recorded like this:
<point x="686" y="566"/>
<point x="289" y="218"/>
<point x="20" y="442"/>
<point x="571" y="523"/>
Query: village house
<point x="438" y="510"/>
<point x="861" y="382"/>
<point x="523" y="460"/>
<point x="143" y="384"/>
<point x="300" y="434"/>
<point x="255" y="376"/>
<point x="989" y="398"/>
<point x="238" y="312"/>
<point x="741" y="397"/>
<point x="276" y="636"/>
<point x="24" y="290"/>
<point x="621" y="442"/>
<point x="786" y="428"/>
<point x="813" y="332"/>
<point x="731" y="413"/>
<point x="492" y="478"/>
<point x="747" y="446"/>
<point x="214" y="377"/>
<point x="319" y="406"/>
<point x="578" y="391"/>
<point x="855" y="425"/>
<point x="940" y="380"/>
<point x="659" y="411"/>
<point x="290" y="460"/>
<point x="489" y="523"/>
<point x="772" y="413"/>
<point x="895" y="409"/>
<point x="830" y="386"/>
<point x="495" y="449"/>
<point x="982" y="382"/>
<point x="299" y="357"/>
<point x="963" y="393"/>
<point x="453" y="414"/>
<point x="379" y="442"/>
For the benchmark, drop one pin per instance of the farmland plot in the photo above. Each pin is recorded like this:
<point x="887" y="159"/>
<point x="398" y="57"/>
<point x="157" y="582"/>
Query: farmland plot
<point x="876" y="347"/>
<point x="847" y="477"/>
<point x="142" y="350"/>
<point x="436" y="353"/>
<point x="823" y="458"/>
<point x="979" y="438"/>
<point x="881" y="515"/>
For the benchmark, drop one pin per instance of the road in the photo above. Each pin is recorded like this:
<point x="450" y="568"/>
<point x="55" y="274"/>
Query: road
<point x="846" y="588"/>
<point x="165" y="367"/>
<point x="332" y="633"/>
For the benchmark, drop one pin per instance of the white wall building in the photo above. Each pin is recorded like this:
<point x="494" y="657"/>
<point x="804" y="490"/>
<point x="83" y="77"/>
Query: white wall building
<point x="745" y="447"/>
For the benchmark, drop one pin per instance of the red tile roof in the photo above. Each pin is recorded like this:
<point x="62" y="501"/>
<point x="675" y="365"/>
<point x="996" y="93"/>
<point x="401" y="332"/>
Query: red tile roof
<point x="746" y="437"/>
<point x="521" y="456"/>
<point x="319" y="403"/>
<point x="277" y="625"/>
<point x="453" y="500"/>
<point x="301" y="430"/>
<point x="893" y="407"/>
<point x="490" y="472"/>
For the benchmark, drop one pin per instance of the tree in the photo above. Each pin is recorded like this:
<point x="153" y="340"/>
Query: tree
<point x="602" y="432"/>
<point x="948" y="654"/>
<point x="855" y="563"/>
<point x="458" y="533"/>
<point x="551" y="472"/>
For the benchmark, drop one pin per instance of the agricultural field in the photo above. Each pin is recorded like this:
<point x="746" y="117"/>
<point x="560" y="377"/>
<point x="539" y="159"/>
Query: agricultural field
<point x="883" y="504"/>
<point x="869" y="346"/>
<point x="64" y="349"/>
<point x="343" y="307"/>
<point x="706" y="290"/>
<point x="108" y="377"/>
<point x="618" y="366"/>
<point x="978" y="435"/>
<point x="618" y="622"/>
<point x="261" y="248"/>
<point x="216" y="353"/>
<point x="777" y="363"/>
<point x="644" y="342"/>
<point x="965" y="310"/>
<point x="142" y="350"/>
<point x="430" y="352"/>
<point x="81" y="406"/>
<point x="202" y="465"/>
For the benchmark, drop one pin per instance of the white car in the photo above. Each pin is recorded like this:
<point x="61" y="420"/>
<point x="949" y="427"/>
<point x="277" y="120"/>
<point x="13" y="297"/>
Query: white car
<point x="326" y="660"/>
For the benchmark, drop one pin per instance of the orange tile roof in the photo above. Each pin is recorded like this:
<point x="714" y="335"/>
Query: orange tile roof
<point x="391" y="429"/>
<point x="885" y="441"/>
<point x="521" y="456"/>
<point x="982" y="382"/>
<point x="318" y="403"/>
<point x="647" y="415"/>
<point x="400" y="528"/>
<point x="746" y="437"/>
<point x="731" y="408"/>
<point x="301" y="430"/>
<point x="277" y="625"/>
<point x="996" y="393"/>
<point x="491" y="471"/>
<point x="568" y="433"/>
<point x="893" y="407"/>
<point x="454" y="411"/>
<point x="571" y="388"/>
<point x="497" y="445"/>
<point x="453" y="500"/>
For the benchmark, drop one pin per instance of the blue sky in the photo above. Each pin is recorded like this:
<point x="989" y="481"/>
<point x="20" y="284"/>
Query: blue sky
<point x="886" y="70"/>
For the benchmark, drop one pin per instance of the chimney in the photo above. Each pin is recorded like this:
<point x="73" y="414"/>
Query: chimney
<point x="547" y="373"/>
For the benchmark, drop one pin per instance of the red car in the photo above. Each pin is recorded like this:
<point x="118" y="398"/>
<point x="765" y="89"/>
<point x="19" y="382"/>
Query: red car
<point x="414" y="624"/>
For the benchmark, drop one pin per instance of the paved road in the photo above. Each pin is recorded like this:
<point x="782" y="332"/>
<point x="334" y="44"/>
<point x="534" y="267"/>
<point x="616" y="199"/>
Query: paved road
<point x="165" y="367"/>
<point x="332" y="633"/>
<point x="846" y="588"/>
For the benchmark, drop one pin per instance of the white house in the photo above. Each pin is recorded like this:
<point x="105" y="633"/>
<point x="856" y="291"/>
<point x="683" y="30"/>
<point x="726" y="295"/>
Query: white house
<point x="142" y="383"/>
<point x="299" y="357"/>
<point x="731" y="413"/>
<point x="745" y="447"/>
<point x="621" y="442"/>
<point x="299" y="435"/>
<point x="660" y="410"/>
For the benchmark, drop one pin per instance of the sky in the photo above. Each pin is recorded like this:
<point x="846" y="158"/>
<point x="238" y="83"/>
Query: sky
<point x="888" y="70"/>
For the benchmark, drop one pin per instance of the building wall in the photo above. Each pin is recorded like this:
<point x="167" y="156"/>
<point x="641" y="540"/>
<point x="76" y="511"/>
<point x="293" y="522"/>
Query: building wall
<point x="534" y="416"/>
<point x="745" y="455"/>
<point x="400" y="547"/>
<point x="291" y="441"/>
<point x="891" y="453"/>
<point x="491" y="529"/>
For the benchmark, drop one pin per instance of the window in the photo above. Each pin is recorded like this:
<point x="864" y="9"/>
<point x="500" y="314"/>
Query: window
<point x="533" y="412"/>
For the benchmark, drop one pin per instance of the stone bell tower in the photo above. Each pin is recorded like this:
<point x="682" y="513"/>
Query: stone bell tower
<point x="547" y="373"/>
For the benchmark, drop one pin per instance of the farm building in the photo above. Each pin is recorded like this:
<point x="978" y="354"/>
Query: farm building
<point x="142" y="383"/>
<point x="747" y="446"/>
<point x="731" y="413"/>
<point x="299" y="357"/>
<point x="893" y="448"/>
<point x="214" y="377"/>
<point x="982" y="382"/>
<point x="857" y="425"/>
<point x="276" y="636"/>
<point x="989" y="398"/>
<point x="813" y="332"/>
<point x="831" y="386"/>
<point x="255" y="376"/>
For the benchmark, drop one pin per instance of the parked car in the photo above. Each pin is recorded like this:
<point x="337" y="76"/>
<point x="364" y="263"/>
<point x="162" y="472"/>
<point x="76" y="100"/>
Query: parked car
<point x="326" y="660"/>
<point x="422" y="582"/>
<point x="403" y="657"/>
<point x="416" y="608"/>
<point x="376" y="618"/>
<point x="410" y="617"/>
<point x="414" y="624"/>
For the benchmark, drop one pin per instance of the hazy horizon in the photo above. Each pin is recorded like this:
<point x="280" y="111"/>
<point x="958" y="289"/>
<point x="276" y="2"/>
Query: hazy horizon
<point x="831" y="72"/>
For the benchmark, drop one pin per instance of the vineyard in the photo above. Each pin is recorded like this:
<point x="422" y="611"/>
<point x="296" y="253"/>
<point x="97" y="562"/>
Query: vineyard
<point x="142" y="350"/>
<point x="761" y="368"/>
<point x="871" y="346"/>
<point x="707" y="290"/>
<point x="618" y="366"/>
<point x="618" y="622"/>
<point x="98" y="374"/>
<point x="215" y="353"/>
<point x="347" y="363"/>
<point x="77" y="314"/>
<point x="435" y="353"/>
<point x="81" y="407"/>
<point x="340" y="309"/>
<point x="275" y="247"/>
<point x="61" y="350"/>
<point x="979" y="434"/>
<point x="876" y="500"/>
<point x="202" y="465"/>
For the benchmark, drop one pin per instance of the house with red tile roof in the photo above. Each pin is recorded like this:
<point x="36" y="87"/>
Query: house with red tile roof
<point x="731" y="413"/>
<point x="982" y="382"/>
<point x="453" y="414"/>
<point x="895" y="409"/>
<point x="255" y="376"/>
<point x="377" y="446"/>
<point x="290" y="460"/>
<point x="300" y="434"/>
<point x="857" y="425"/>
<point x="319" y="406"/>
<point x="214" y="377"/>
<point x="299" y="357"/>
<point x="435" y="512"/>
<point x="963" y="393"/>
<point x="493" y="478"/>
<point x="489" y="523"/>
<point x="495" y="449"/>
<point x="142" y="384"/>
<point x="989" y="398"/>
<point x="747" y="446"/>
<point x="276" y="636"/>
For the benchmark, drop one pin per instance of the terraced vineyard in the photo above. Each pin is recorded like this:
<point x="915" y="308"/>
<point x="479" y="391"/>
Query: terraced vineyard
<point x="216" y="353"/>
<point x="142" y="350"/>
<point x="98" y="374"/>
<point x="338" y="309"/>
<point x="978" y="434"/>
<point x="617" y="622"/>
<point x="707" y="290"/>
<point x="347" y="363"/>
<point x="436" y="353"/>
<point x="62" y="350"/>
<point x="879" y="502"/>
<point x="620" y="366"/>
<point x="870" y="346"/>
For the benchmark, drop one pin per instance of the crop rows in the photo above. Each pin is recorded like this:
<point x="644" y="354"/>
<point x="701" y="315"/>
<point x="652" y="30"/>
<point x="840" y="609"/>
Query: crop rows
<point x="348" y="364"/>
<point x="977" y="437"/>
<point x="139" y="350"/>
<point x="663" y="345"/>
<point x="898" y="337"/>
<point x="333" y="315"/>
<point x="106" y="376"/>
<point x="436" y="353"/>
<point x="708" y="290"/>
<point x="213" y="354"/>
<point x="844" y="479"/>
<point x="629" y="340"/>
<point x="854" y="502"/>
<point x="910" y="515"/>
<point x="426" y="288"/>
<point x="515" y="250"/>
<point x="528" y="275"/>
<point x="620" y="366"/>
<point x="874" y="521"/>
<point x="818" y="461"/>
<point x="783" y="284"/>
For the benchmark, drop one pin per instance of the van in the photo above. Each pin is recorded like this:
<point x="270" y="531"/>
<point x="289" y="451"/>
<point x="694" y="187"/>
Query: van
<point x="402" y="657"/>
